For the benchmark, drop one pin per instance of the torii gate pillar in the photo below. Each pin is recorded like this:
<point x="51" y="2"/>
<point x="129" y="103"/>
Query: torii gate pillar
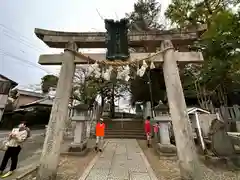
<point x="186" y="150"/>
<point x="51" y="149"/>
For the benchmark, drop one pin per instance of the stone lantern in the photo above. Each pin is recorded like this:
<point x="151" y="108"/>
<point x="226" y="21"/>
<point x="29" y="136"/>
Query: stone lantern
<point x="163" y="117"/>
<point x="80" y="117"/>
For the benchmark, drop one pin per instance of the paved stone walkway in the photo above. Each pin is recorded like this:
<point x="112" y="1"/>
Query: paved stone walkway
<point x="122" y="159"/>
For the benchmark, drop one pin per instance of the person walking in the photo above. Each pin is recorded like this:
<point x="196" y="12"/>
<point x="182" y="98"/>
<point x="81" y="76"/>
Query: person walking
<point x="100" y="132"/>
<point x="15" y="140"/>
<point x="147" y="127"/>
<point x="156" y="128"/>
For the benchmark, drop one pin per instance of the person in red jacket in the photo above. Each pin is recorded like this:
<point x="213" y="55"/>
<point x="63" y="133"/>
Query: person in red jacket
<point x="100" y="132"/>
<point x="147" y="127"/>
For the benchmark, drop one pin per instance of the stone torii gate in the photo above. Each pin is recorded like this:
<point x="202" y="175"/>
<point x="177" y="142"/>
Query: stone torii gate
<point x="186" y="150"/>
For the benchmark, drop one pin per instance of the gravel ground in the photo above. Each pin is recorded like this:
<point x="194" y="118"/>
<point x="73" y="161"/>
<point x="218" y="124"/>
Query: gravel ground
<point x="72" y="167"/>
<point x="166" y="169"/>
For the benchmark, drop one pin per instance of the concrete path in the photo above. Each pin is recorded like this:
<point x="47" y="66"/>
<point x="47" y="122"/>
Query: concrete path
<point x="122" y="159"/>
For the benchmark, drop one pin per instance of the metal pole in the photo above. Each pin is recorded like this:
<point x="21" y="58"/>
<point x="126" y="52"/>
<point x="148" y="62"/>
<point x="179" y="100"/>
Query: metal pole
<point x="150" y="90"/>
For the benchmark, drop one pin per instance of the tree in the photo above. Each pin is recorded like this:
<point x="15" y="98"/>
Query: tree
<point x="47" y="82"/>
<point x="218" y="77"/>
<point x="87" y="88"/>
<point x="155" y="93"/>
<point x="145" y="16"/>
<point x="186" y="14"/>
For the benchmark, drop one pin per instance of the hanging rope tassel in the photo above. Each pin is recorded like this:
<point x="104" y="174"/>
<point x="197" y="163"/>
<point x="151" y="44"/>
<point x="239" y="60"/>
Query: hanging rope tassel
<point x="152" y="66"/>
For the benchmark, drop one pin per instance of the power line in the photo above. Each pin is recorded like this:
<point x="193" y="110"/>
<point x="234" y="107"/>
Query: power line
<point x="30" y="46"/>
<point x="22" y="39"/>
<point x="99" y="14"/>
<point x="24" y="61"/>
<point x="17" y="33"/>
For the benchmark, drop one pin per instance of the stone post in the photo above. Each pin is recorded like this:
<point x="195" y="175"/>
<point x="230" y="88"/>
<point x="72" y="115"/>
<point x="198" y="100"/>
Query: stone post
<point x="186" y="150"/>
<point x="237" y="113"/>
<point x="164" y="132"/>
<point x="52" y="145"/>
<point x="79" y="142"/>
<point x="147" y="109"/>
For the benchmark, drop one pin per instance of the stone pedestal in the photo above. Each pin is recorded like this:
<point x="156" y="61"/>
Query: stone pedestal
<point x="167" y="148"/>
<point x="79" y="142"/>
<point x="164" y="132"/>
<point x="163" y="120"/>
<point x="147" y="109"/>
<point x="238" y="126"/>
<point x="164" y="145"/>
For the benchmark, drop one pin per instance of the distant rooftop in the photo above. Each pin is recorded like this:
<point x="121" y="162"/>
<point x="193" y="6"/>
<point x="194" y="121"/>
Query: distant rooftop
<point x="30" y="93"/>
<point x="14" y="84"/>
<point x="47" y="101"/>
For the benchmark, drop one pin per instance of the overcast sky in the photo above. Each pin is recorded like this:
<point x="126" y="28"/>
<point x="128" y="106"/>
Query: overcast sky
<point x="20" y="48"/>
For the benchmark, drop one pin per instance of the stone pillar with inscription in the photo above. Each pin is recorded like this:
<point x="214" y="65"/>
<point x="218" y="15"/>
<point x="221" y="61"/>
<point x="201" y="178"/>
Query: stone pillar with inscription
<point x="57" y="122"/>
<point x="186" y="150"/>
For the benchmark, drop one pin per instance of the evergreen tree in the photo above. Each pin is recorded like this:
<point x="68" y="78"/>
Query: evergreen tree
<point x="145" y="16"/>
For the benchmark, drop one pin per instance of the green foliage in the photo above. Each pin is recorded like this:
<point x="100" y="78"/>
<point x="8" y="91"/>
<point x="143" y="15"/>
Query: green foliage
<point x="222" y="42"/>
<point x="145" y="16"/>
<point x="141" y="91"/>
<point x="190" y="13"/>
<point x="219" y="44"/>
<point x="47" y="82"/>
<point x="87" y="88"/>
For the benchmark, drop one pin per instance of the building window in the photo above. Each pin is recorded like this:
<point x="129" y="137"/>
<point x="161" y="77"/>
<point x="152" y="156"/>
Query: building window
<point x="5" y="87"/>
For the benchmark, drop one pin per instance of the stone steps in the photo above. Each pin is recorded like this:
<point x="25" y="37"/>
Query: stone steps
<point x="130" y="129"/>
<point x="124" y="136"/>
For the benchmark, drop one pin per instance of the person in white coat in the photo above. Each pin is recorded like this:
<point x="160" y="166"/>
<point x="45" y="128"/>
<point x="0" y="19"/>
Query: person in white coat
<point x="15" y="140"/>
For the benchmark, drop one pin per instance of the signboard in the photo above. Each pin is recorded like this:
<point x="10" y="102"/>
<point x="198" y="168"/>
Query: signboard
<point x="117" y="39"/>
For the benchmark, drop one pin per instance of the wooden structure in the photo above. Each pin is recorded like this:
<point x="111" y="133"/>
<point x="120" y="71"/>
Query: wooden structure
<point x="195" y="122"/>
<point x="230" y="116"/>
<point x="6" y="85"/>
<point x="168" y="59"/>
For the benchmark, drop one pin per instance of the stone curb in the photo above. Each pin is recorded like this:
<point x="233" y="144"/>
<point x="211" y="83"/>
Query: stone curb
<point x="83" y="153"/>
<point x="27" y="172"/>
<point x="91" y="164"/>
<point x="162" y="155"/>
<point x="148" y="166"/>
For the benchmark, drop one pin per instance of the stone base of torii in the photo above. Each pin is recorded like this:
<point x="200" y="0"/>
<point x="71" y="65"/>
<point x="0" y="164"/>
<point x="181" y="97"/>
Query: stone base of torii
<point x="188" y="161"/>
